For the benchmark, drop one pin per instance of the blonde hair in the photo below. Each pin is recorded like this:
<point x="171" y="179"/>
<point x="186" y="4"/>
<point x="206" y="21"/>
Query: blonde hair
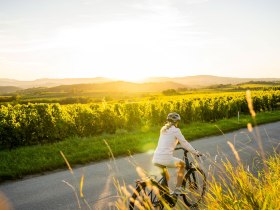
<point x="166" y="126"/>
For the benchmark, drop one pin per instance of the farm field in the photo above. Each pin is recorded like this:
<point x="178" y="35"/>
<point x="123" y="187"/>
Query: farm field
<point x="87" y="132"/>
<point x="40" y="123"/>
<point x="120" y="91"/>
<point x="18" y="162"/>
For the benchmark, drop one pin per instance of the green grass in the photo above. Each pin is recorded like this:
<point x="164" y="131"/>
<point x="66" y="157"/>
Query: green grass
<point x="41" y="158"/>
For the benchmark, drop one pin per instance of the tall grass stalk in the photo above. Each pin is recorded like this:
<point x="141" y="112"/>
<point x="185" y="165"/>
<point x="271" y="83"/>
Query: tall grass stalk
<point x="78" y="196"/>
<point x="237" y="188"/>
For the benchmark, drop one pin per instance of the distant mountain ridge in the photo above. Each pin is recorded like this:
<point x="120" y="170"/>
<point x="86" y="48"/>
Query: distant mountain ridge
<point x="45" y="82"/>
<point x="187" y="81"/>
<point x="113" y="87"/>
<point x="207" y="80"/>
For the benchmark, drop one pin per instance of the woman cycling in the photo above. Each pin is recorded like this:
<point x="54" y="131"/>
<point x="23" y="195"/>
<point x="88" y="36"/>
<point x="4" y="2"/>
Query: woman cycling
<point x="170" y="135"/>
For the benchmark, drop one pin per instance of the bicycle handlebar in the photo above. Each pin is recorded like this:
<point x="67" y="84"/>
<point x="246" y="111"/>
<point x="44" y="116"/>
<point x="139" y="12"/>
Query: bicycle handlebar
<point x="186" y="151"/>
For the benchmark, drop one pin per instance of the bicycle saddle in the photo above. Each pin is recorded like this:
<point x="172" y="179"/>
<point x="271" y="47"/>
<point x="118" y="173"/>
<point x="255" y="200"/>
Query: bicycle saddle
<point x="160" y="166"/>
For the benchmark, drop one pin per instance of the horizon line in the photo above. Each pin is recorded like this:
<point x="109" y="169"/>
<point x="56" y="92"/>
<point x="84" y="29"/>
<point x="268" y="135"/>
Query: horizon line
<point x="143" y="79"/>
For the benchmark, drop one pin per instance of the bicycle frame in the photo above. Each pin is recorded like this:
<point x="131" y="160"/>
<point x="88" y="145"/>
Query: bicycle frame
<point x="188" y="165"/>
<point x="163" y="196"/>
<point x="172" y="198"/>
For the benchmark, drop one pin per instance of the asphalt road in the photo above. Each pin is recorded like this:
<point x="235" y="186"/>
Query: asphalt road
<point x="57" y="190"/>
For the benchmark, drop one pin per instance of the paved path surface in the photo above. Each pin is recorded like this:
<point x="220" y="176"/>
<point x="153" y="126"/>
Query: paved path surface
<point x="51" y="192"/>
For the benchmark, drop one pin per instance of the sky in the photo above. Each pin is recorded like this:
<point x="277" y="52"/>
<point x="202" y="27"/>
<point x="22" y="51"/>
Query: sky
<point x="134" y="39"/>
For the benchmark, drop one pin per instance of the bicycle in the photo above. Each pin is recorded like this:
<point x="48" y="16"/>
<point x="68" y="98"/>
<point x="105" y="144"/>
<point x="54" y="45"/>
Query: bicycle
<point x="152" y="194"/>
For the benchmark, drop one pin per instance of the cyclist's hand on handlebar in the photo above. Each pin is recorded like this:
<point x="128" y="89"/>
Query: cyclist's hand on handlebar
<point x="198" y="154"/>
<point x="203" y="157"/>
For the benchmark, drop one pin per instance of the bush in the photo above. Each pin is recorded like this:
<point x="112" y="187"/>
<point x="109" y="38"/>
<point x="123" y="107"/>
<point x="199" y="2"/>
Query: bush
<point x="169" y="92"/>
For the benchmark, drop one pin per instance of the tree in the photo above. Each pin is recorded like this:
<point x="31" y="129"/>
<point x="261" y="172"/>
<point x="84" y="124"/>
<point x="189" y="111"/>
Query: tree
<point x="169" y="92"/>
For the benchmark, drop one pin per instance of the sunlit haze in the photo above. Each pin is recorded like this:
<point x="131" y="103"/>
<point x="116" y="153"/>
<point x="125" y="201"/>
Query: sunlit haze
<point x="134" y="39"/>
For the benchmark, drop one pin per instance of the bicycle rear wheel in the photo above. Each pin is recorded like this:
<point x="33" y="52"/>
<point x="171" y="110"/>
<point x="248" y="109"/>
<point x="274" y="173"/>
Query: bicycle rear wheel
<point x="195" y="184"/>
<point x="145" y="197"/>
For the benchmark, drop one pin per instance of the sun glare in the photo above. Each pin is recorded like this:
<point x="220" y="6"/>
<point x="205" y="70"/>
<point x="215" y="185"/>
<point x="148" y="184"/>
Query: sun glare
<point x="118" y="50"/>
<point x="129" y="77"/>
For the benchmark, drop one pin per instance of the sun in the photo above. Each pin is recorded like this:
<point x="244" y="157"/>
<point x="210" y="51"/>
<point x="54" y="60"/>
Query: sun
<point x="129" y="76"/>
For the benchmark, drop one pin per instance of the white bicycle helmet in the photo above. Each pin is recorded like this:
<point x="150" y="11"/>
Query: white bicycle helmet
<point x="173" y="117"/>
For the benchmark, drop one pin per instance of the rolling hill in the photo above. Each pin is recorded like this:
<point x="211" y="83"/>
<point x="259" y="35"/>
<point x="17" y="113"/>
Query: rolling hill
<point x="117" y="87"/>
<point x="51" y="82"/>
<point x="8" y="89"/>
<point x="190" y="81"/>
<point x="207" y="80"/>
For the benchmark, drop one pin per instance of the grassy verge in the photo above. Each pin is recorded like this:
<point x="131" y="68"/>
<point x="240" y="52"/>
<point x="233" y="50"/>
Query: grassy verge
<point x="38" y="159"/>
<point x="241" y="190"/>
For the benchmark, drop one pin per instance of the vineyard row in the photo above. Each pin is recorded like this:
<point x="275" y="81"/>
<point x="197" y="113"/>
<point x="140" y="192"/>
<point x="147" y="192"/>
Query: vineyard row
<point x="31" y="124"/>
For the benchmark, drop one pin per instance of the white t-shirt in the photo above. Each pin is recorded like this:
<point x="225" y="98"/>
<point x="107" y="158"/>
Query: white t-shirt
<point x="168" y="140"/>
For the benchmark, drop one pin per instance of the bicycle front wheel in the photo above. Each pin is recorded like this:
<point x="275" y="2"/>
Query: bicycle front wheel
<point x="145" y="197"/>
<point x="195" y="184"/>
